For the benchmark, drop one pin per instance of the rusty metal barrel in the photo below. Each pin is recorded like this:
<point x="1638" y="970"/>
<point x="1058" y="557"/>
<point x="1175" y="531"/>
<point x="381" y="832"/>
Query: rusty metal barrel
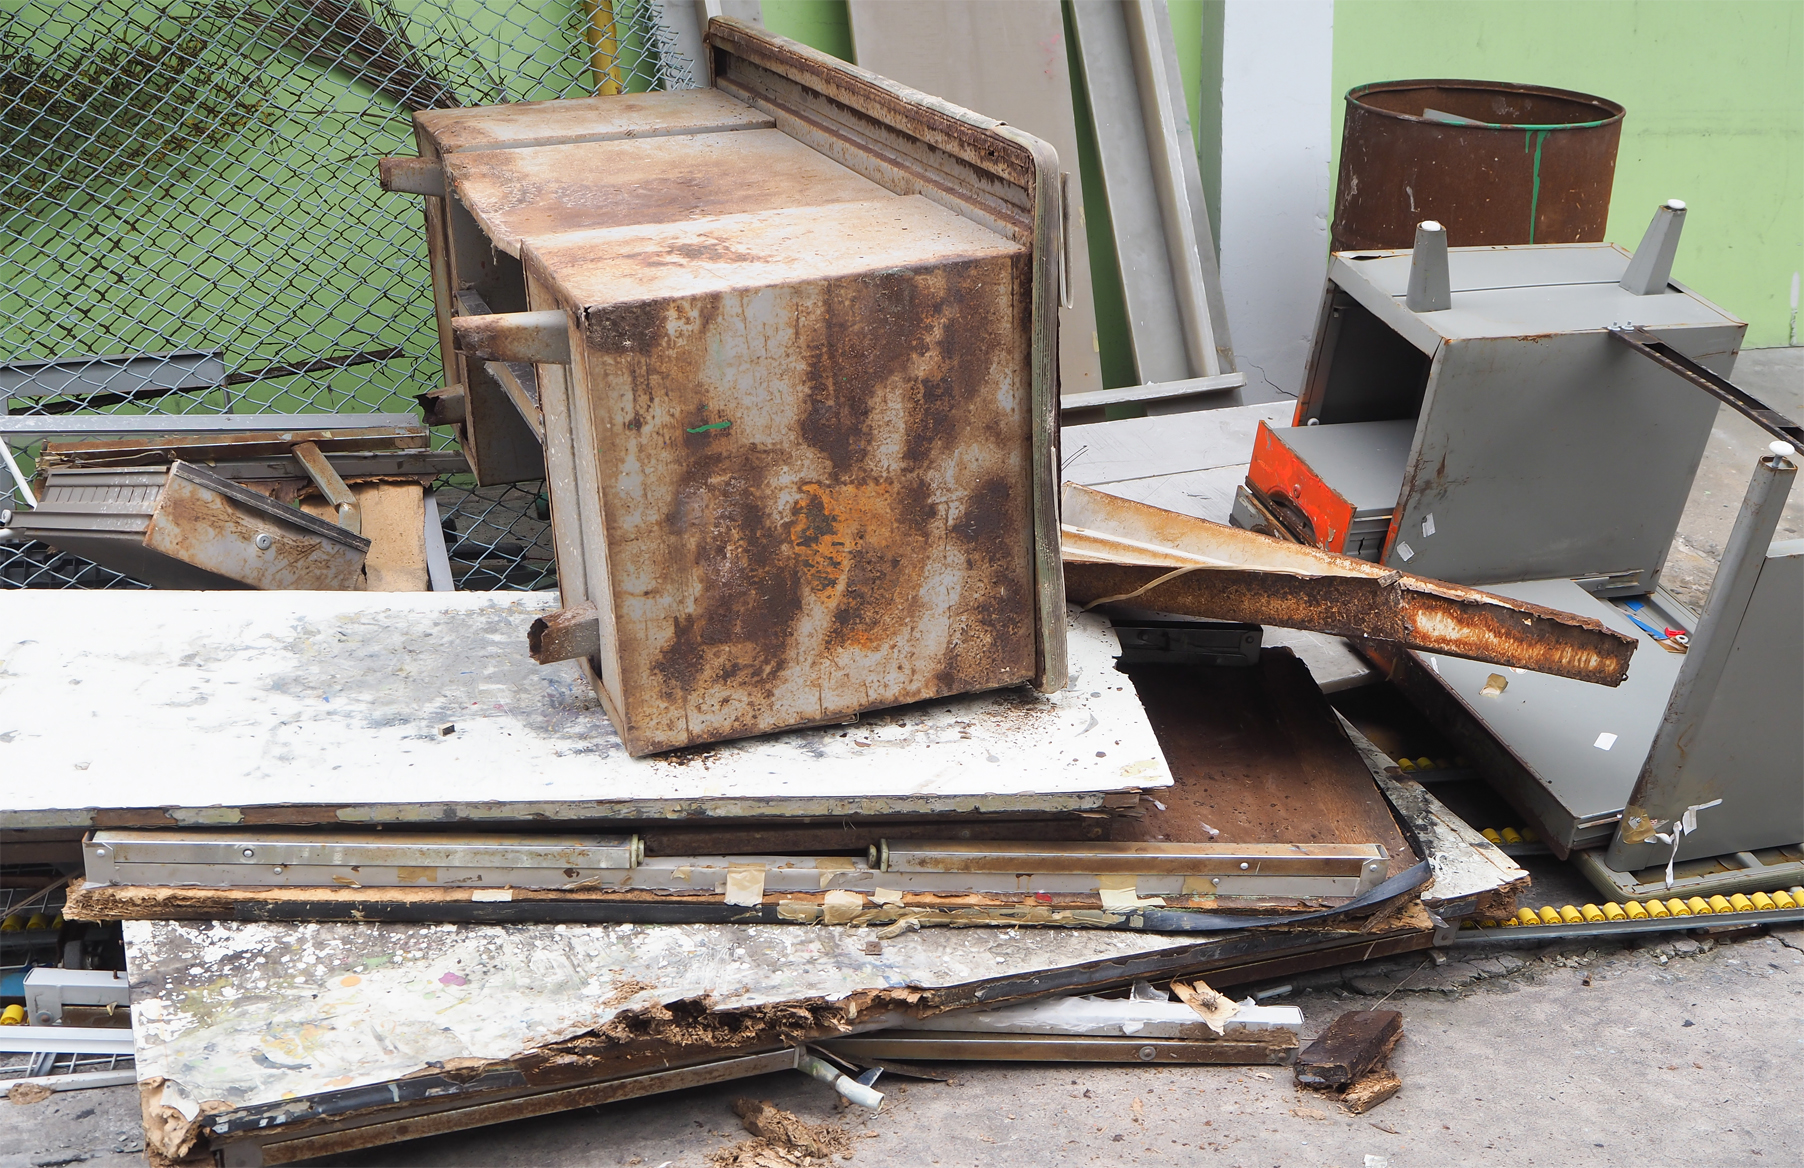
<point x="1494" y="162"/>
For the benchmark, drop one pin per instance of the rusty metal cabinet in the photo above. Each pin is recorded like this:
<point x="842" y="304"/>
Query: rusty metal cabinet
<point x="790" y="344"/>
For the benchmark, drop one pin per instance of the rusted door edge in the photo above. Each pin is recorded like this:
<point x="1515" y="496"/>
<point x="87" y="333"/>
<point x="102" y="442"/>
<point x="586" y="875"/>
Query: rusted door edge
<point x="1115" y="549"/>
<point x="1023" y="164"/>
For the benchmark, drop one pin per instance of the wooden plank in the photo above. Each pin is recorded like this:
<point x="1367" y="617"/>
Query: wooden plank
<point x="313" y="707"/>
<point x="1258" y="755"/>
<point x="1353" y="1044"/>
<point x="394" y="518"/>
<point x="1372" y="1088"/>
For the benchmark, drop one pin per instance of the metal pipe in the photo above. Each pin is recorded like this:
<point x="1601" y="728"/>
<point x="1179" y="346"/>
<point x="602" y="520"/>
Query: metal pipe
<point x="851" y="1088"/>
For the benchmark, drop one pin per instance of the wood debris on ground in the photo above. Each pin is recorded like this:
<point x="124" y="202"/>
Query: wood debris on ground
<point x="1213" y="1008"/>
<point x="782" y="1140"/>
<point x="1351" y="1059"/>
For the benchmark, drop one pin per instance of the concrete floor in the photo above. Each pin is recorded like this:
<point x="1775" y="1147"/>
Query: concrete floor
<point x="1661" y="1053"/>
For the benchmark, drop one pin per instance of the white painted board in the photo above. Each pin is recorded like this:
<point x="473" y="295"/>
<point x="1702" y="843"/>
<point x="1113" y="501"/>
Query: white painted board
<point x="196" y="706"/>
<point x="250" y="1013"/>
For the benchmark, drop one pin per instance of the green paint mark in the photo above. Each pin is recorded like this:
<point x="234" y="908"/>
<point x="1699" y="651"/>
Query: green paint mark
<point x="727" y="425"/>
<point x="1534" y="194"/>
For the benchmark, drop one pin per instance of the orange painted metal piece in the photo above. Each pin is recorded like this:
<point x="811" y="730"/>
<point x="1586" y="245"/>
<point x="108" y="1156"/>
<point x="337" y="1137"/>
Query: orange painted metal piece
<point x="1293" y="488"/>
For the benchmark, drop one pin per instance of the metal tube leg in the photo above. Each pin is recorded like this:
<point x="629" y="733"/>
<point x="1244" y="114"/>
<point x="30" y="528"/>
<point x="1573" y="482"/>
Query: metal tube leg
<point x="1665" y="793"/>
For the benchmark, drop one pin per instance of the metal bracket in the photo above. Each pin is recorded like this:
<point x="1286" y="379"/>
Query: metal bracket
<point x="541" y="338"/>
<point x="1745" y="403"/>
<point x="337" y="493"/>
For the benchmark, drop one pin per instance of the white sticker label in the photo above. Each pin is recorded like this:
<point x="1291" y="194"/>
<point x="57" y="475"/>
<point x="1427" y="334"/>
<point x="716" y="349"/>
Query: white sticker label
<point x="1428" y="525"/>
<point x="1605" y="741"/>
<point x="1405" y="552"/>
<point x="492" y="895"/>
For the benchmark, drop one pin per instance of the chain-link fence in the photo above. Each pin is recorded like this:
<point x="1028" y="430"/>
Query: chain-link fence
<point x="196" y="184"/>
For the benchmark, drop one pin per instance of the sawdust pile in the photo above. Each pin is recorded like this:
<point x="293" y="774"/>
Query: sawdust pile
<point x="29" y="1093"/>
<point x="781" y="1140"/>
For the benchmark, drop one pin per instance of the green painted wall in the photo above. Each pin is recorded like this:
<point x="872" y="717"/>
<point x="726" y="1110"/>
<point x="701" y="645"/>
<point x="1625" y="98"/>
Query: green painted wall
<point x="820" y="24"/>
<point x="1715" y="99"/>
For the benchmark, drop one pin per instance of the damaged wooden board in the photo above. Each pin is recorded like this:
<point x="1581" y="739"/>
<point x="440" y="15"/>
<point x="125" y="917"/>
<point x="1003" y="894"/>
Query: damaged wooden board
<point x="366" y="708"/>
<point x="1472" y="875"/>
<point x="1116" y="550"/>
<point x="259" y="1032"/>
<point x="1257" y="754"/>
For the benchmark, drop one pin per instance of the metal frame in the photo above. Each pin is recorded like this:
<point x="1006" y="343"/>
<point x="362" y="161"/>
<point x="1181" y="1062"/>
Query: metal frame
<point x="1177" y="324"/>
<point x="433" y="1106"/>
<point x="930" y="1046"/>
<point x="35" y="426"/>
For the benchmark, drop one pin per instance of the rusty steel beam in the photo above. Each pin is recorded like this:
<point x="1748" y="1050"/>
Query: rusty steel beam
<point x="1116" y="550"/>
<point x="412" y="176"/>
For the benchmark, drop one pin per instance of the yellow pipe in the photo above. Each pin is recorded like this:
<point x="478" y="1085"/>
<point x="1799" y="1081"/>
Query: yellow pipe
<point x="604" y="47"/>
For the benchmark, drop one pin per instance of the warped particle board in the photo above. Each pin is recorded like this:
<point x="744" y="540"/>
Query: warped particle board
<point x="252" y="1035"/>
<point x="1258" y="755"/>
<point x="150" y="708"/>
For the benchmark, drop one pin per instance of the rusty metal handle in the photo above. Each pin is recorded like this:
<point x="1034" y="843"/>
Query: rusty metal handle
<point x="565" y="635"/>
<point x="412" y="176"/>
<point x="539" y="338"/>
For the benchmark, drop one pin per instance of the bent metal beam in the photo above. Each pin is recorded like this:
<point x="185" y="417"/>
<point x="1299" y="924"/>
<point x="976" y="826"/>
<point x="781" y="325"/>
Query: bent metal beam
<point x="1115" y="549"/>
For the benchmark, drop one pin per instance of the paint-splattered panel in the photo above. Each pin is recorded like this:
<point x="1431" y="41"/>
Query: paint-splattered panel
<point x="152" y="708"/>
<point x="240" y="1017"/>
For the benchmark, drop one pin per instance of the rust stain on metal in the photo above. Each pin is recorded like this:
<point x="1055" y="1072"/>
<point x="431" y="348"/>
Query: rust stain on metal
<point x="1115" y="548"/>
<point x="1534" y="165"/>
<point x="523" y="194"/>
<point x="859" y="535"/>
<point x="953" y="129"/>
<point x="201" y="526"/>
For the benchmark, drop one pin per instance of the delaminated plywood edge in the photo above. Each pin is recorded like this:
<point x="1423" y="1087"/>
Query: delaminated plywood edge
<point x="101" y="902"/>
<point x="1472" y="876"/>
